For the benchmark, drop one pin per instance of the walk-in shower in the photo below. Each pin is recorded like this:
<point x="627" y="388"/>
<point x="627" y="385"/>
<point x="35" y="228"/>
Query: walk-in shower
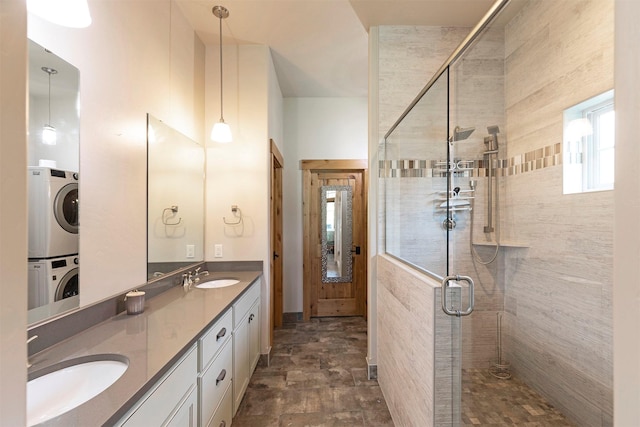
<point x="522" y="271"/>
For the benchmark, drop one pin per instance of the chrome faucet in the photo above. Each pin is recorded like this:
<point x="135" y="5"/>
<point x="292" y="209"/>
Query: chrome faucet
<point x="28" y="341"/>
<point x="196" y="277"/>
<point x="187" y="280"/>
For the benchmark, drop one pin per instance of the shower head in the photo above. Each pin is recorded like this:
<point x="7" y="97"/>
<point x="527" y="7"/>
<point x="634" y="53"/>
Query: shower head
<point x="460" y="134"/>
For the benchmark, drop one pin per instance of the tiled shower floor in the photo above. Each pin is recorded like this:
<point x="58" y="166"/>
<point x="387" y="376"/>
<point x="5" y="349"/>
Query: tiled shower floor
<point x="488" y="401"/>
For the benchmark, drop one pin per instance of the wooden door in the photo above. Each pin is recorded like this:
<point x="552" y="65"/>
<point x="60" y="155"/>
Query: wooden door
<point x="322" y="298"/>
<point x="277" y="163"/>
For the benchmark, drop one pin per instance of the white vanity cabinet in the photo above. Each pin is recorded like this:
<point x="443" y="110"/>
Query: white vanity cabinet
<point x="216" y="373"/>
<point x="172" y="400"/>
<point x="246" y="341"/>
<point x="205" y="387"/>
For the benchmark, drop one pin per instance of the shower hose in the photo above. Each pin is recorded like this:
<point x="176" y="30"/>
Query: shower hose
<point x="474" y="254"/>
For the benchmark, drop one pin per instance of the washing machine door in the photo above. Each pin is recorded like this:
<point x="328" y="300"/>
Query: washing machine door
<point x="68" y="285"/>
<point x="65" y="207"/>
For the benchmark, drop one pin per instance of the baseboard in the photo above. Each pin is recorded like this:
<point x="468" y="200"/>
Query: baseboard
<point x="372" y="370"/>
<point x="265" y="358"/>
<point x="294" y="317"/>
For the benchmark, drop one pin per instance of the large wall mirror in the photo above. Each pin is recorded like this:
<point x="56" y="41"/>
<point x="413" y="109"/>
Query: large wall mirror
<point x="175" y="199"/>
<point x="53" y="178"/>
<point x="336" y="208"/>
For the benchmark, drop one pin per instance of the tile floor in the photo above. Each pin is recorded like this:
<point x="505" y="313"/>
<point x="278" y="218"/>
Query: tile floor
<point x="317" y="377"/>
<point x="488" y="401"/>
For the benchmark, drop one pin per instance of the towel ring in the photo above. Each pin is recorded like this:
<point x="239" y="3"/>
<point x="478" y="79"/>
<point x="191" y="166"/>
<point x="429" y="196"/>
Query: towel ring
<point x="236" y="210"/>
<point x="173" y="210"/>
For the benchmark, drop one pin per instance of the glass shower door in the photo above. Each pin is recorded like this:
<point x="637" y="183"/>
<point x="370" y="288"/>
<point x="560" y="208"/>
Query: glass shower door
<point x="419" y="221"/>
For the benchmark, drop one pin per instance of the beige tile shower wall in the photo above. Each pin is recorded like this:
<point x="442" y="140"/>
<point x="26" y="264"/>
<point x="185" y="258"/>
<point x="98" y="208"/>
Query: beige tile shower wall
<point x="408" y="57"/>
<point x="408" y="360"/>
<point x="558" y="291"/>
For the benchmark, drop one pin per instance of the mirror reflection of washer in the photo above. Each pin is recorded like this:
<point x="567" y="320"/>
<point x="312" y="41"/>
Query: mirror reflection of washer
<point x="53" y="279"/>
<point x="53" y="212"/>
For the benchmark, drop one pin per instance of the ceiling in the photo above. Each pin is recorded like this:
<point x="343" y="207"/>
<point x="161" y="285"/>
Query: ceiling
<point x="320" y="47"/>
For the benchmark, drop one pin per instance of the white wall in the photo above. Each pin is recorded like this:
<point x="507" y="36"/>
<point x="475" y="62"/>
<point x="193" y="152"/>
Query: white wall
<point x="135" y="58"/>
<point x="314" y="128"/>
<point x="238" y="173"/>
<point x="626" y="293"/>
<point x="13" y="215"/>
<point x="276" y="108"/>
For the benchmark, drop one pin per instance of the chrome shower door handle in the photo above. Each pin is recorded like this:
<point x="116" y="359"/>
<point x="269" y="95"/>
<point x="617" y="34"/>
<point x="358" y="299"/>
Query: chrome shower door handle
<point x="446" y="286"/>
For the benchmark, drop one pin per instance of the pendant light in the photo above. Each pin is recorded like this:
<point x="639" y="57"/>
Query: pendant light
<point x="221" y="131"/>
<point x="48" y="131"/>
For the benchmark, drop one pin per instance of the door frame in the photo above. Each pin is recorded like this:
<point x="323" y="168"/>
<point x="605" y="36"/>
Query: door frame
<point x="276" y="246"/>
<point x="308" y="168"/>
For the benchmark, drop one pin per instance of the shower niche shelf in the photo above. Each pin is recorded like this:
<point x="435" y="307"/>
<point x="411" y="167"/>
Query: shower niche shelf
<point x="504" y="244"/>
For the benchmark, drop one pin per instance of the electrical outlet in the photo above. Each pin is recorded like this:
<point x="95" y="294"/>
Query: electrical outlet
<point x="217" y="250"/>
<point x="191" y="251"/>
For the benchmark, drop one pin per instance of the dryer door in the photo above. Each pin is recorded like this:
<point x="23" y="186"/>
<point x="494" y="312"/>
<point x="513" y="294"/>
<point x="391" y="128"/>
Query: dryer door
<point x="65" y="207"/>
<point x="68" y="285"/>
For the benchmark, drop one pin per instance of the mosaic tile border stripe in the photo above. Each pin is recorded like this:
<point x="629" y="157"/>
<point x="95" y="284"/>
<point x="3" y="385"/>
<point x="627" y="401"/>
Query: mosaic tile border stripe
<point x="541" y="158"/>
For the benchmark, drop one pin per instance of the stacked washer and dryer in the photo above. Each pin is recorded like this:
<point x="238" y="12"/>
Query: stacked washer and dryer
<point x="53" y="235"/>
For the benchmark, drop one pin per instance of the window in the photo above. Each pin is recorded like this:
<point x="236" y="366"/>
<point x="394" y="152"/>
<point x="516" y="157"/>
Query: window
<point x="589" y="145"/>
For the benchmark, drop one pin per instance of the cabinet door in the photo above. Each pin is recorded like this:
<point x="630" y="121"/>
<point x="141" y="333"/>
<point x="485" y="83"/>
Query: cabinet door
<point x="254" y="336"/>
<point x="187" y="413"/>
<point x="158" y="405"/>
<point x="240" y="362"/>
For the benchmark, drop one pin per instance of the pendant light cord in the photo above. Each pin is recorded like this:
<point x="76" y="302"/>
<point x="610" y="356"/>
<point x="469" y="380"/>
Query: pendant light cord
<point x="49" y="71"/>
<point x="221" y="89"/>
<point x="49" y="121"/>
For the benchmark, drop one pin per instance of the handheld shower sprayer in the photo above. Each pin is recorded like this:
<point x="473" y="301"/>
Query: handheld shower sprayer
<point x="491" y="141"/>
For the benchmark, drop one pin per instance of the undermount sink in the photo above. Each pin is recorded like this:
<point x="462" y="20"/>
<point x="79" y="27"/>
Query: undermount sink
<point x="64" y="386"/>
<point x="217" y="283"/>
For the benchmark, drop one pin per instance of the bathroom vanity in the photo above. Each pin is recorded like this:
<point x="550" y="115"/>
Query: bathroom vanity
<point x="190" y="353"/>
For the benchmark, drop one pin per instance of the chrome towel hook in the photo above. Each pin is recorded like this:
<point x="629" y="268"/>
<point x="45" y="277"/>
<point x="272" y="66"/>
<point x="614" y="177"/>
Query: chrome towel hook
<point x="173" y="210"/>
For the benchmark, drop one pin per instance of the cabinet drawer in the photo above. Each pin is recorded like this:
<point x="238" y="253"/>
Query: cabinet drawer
<point x="161" y="401"/>
<point x="214" y="339"/>
<point x="242" y="307"/>
<point x="224" y="413"/>
<point x="214" y="381"/>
